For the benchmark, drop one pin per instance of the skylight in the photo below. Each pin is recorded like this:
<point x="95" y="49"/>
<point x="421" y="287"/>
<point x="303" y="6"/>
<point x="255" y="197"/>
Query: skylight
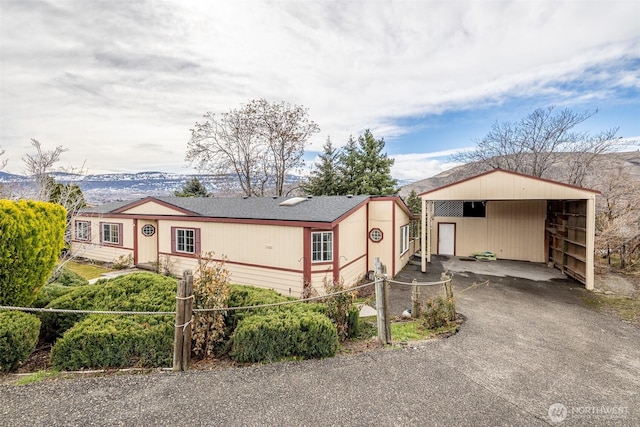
<point x="293" y="201"/>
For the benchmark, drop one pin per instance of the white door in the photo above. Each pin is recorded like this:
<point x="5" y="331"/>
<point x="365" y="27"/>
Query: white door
<point x="446" y="239"/>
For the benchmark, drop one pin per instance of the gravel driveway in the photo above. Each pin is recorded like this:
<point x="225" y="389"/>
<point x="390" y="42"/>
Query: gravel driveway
<point x="525" y="346"/>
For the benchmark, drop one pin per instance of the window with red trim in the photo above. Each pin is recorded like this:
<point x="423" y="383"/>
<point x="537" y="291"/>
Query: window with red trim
<point x="111" y="233"/>
<point x="185" y="240"/>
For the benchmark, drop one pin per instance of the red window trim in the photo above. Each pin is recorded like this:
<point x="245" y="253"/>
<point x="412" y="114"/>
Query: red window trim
<point x="75" y="231"/>
<point x="196" y="241"/>
<point x="120" y="234"/>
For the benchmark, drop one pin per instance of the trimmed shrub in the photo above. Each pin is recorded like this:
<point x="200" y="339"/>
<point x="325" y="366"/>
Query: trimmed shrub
<point x="63" y="284"/>
<point x="49" y="292"/>
<point x="285" y="334"/>
<point x="132" y="292"/>
<point x="116" y="341"/>
<point x="66" y="277"/>
<point x="31" y="238"/>
<point x="247" y="296"/>
<point x="98" y="341"/>
<point x="18" y="338"/>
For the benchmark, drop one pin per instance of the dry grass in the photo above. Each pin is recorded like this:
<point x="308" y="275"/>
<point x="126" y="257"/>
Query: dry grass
<point x="87" y="271"/>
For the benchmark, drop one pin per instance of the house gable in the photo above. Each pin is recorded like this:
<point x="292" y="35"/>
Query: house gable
<point x="500" y="184"/>
<point x="152" y="206"/>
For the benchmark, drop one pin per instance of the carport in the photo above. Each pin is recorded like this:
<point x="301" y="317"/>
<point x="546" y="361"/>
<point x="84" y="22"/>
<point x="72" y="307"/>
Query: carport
<point x="517" y="217"/>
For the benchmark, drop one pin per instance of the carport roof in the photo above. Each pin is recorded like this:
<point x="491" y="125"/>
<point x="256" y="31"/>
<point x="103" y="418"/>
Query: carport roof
<point x="499" y="184"/>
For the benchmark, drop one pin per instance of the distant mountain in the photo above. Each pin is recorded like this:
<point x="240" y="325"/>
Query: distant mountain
<point x="102" y="188"/>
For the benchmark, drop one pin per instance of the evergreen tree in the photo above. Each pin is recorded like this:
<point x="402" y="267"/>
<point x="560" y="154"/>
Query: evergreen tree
<point x="374" y="167"/>
<point x="414" y="203"/>
<point x="192" y="188"/>
<point x="350" y="169"/>
<point x="324" y="178"/>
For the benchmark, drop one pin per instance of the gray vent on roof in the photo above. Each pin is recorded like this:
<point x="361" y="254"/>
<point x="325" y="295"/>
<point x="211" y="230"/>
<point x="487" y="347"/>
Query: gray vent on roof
<point x="293" y="201"/>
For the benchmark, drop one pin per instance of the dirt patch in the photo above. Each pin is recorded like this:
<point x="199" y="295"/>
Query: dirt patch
<point x="618" y="284"/>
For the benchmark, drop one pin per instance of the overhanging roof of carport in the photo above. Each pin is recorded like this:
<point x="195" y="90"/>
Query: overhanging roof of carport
<point x="499" y="184"/>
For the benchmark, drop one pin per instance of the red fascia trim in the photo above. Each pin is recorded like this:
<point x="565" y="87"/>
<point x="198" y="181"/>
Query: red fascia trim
<point x="306" y="255"/>
<point x="512" y="173"/>
<point x="228" y="261"/>
<point x="325" y="226"/>
<point x="367" y="230"/>
<point x="393" y="239"/>
<point x="336" y="253"/>
<point x="135" y="241"/>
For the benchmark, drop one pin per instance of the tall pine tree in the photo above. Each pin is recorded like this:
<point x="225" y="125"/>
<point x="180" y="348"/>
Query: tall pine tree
<point x="359" y="168"/>
<point x="324" y="179"/>
<point x="374" y="167"/>
<point x="349" y="168"/>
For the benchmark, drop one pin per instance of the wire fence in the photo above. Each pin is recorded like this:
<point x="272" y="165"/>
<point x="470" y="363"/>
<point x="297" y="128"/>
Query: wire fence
<point x="209" y="310"/>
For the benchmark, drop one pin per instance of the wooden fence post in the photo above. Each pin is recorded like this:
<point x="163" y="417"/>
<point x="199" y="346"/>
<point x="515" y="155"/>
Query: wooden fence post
<point x="179" y="331"/>
<point x="184" y="315"/>
<point x="415" y="299"/>
<point x="381" y="306"/>
<point x="188" y="317"/>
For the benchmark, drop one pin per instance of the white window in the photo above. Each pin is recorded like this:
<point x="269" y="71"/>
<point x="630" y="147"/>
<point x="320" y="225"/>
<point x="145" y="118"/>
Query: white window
<point x="82" y="230"/>
<point x="404" y="239"/>
<point x="110" y="233"/>
<point x="322" y="246"/>
<point x="185" y="240"/>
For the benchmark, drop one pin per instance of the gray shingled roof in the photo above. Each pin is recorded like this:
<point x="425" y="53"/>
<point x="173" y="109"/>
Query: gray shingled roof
<point x="315" y="209"/>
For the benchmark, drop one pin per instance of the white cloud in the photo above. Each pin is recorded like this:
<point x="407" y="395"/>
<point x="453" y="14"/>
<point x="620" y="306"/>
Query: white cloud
<point x="417" y="166"/>
<point x="104" y="81"/>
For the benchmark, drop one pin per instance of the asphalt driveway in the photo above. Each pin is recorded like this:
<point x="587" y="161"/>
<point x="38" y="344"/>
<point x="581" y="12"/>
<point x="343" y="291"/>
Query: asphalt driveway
<point x="527" y="345"/>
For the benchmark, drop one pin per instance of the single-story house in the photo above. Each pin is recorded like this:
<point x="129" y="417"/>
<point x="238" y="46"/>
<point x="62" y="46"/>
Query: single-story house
<point x="278" y="243"/>
<point x="515" y="216"/>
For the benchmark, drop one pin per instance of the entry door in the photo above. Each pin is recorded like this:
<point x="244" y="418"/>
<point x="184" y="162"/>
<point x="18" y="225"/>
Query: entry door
<point x="446" y="239"/>
<point x="147" y="249"/>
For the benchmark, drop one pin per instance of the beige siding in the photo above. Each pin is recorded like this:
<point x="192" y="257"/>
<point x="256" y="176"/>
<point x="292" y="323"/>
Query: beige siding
<point x="353" y="244"/>
<point x="100" y="253"/>
<point x="354" y="272"/>
<point x="516" y="229"/>
<point x="152" y="208"/>
<point x="259" y="255"/>
<point x="264" y="245"/>
<point x="381" y="216"/>
<point x="511" y="229"/>
<point x="402" y="219"/>
<point x="285" y="282"/>
<point x="93" y="249"/>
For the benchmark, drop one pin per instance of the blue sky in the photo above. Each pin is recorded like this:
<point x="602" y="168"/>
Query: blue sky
<point x="119" y="84"/>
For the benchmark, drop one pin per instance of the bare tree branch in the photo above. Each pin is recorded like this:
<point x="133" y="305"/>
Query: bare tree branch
<point x="259" y="143"/>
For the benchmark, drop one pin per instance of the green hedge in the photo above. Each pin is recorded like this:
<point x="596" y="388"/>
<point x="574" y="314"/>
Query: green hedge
<point x="116" y="341"/>
<point x="247" y="296"/>
<point x="31" y="238"/>
<point x="98" y="341"/>
<point x="284" y="334"/>
<point x="18" y="338"/>
<point x="67" y="277"/>
<point x="63" y="284"/>
<point x="132" y="292"/>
